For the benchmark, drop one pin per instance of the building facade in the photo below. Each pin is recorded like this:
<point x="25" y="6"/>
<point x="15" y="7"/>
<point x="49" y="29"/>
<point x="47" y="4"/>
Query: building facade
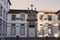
<point x="29" y="23"/>
<point x="58" y="13"/>
<point x="47" y="24"/>
<point x="20" y="23"/>
<point x="4" y="8"/>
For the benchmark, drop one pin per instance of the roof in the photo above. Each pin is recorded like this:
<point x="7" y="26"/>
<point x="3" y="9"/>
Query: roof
<point x="9" y="2"/>
<point x="58" y="12"/>
<point x="18" y="11"/>
<point x="47" y="11"/>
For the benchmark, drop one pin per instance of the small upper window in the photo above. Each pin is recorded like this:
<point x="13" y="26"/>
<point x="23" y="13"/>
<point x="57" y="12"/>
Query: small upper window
<point x="22" y="24"/>
<point x="49" y="17"/>
<point x="2" y="0"/>
<point x="41" y="17"/>
<point x="49" y="24"/>
<point x="40" y="24"/>
<point x="59" y="26"/>
<point x="59" y="17"/>
<point x="45" y="18"/>
<point x="13" y="25"/>
<point x="31" y="26"/>
<point x="13" y="17"/>
<point x="1" y="10"/>
<point x="22" y="16"/>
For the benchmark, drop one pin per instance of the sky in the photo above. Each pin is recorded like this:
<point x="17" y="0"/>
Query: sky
<point x="39" y="4"/>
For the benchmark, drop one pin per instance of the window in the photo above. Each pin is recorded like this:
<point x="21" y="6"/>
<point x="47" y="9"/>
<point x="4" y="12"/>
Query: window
<point x="59" y="17"/>
<point x="0" y="27"/>
<point x="13" y="17"/>
<point x="0" y="10"/>
<point x="13" y="29"/>
<point x="4" y="2"/>
<point x="41" y="17"/>
<point x="22" y="16"/>
<point x="7" y="4"/>
<point x="22" y="30"/>
<point x="31" y="26"/>
<point x="0" y="24"/>
<point x="17" y="16"/>
<point x="45" y="18"/>
<point x="59" y="26"/>
<point x="49" y="24"/>
<point x="0" y="34"/>
<point x="49" y="17"/>
<point x="4" y="13"/>
<point x="0" y="21"/>
<point x="4" y="26"/>
<point x="50" y="30"/>
<point x="13" y="24"/>
<point x="40" y="24"/>
<point x="22" y="24"/>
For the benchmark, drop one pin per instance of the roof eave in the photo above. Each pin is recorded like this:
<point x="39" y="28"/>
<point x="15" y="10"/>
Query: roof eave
<point x="9" y="2"/>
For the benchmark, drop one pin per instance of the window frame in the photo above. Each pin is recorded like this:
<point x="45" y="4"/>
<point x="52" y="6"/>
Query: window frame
<point x="22" y="17"/>
<point x="59" y="26"/>
<point x="22" y="27"/>
<point x="41" y="17"/>
<point x="58" y="16"/>
<point x="49" y="17"/>
<point x="13" y="17"/>
<point x="13" y="29"/>
<point x="51" y="31"/>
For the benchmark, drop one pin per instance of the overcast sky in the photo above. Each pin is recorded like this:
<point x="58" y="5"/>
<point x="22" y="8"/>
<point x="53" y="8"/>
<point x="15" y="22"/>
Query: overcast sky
<point x="39" y="4"/>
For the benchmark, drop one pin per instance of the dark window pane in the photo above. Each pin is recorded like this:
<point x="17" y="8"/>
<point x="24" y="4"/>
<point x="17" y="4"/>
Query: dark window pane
<point x="13" y="24"/>
<point x="59" y="26"/>
<point x="59" y="17"/>
<point x="45" y="19"/>
<point x="31" y="26"/>
<point x="22" y="17"/>
<point x="41" y="17"/>
<point x="13" y="17"/>
<point x="49" y="17"/>
<point x="40" y="24"/>
<point x="49" y="24"/>
<point x="22" y="24"/>
<point x="1" y="10"/>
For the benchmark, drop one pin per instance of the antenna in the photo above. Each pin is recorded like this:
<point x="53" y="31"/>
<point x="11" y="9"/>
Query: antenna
<point x="31" y="6"/>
